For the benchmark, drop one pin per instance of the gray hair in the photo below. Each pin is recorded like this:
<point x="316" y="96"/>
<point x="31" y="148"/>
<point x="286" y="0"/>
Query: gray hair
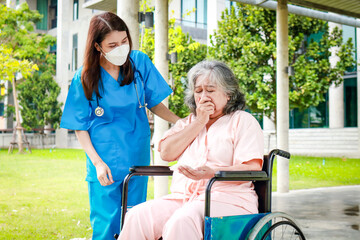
<point x="221" y="75"/>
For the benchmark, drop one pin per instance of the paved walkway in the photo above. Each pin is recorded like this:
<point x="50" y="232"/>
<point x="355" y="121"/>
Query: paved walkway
<point x="323" y="213"/>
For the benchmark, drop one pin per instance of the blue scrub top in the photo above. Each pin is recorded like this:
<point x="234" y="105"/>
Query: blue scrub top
<point x="121" y="136"/>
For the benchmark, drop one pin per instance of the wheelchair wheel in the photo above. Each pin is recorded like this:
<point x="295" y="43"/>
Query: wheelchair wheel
<point x="276" y="226"/>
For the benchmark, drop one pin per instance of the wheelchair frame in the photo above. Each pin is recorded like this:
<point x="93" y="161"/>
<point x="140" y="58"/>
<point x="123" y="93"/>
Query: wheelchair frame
<point x="268" y="224"/>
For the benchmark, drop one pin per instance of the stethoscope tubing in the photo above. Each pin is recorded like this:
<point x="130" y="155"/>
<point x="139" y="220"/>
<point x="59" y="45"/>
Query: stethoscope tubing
<point x="99" y="111"/>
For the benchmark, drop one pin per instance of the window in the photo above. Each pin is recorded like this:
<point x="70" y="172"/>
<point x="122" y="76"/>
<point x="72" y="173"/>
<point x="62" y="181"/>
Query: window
<point x="74" y="63"/>
<point x="194" y="13"/>
<point x="1" y="109"/>
<point x="42" y="7"/>
<point x="53" y="14"/>
<point x="53" y="48"/>
<point x="2" y="93"/>
<point x="313" y="117"/>
<point x="350" y="32"/>
<point x="350" y="102"/>
<point x="76" y="10"/>
<point x="229" y="4"/>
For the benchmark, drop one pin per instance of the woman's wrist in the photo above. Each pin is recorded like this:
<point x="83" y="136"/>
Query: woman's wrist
<point x="96" y="162"/>
<point x="200" y="122"/>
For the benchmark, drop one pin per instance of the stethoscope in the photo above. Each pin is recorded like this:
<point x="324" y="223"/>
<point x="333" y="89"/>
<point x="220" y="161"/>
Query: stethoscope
<point x="99" y="111"/>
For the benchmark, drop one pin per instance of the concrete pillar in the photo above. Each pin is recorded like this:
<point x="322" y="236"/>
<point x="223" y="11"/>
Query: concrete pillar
<point x="214" y="10"/>
<point x="128" y="11"/>
<point x="358" y="84"/>
<point x="62" y="62"/>
<point x="268" y="124"/>
<point x="336" y="93"/>
<point x="161" y="49"/>
<point x="282" y="94"/>
<point x="269" y="134"/>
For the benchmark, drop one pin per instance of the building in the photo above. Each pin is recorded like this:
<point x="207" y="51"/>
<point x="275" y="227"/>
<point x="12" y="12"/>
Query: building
<point x="328" y="129"/>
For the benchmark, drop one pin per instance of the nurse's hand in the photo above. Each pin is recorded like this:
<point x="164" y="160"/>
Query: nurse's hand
<point x="203" y="172"/>
<point x="104" y="174"/>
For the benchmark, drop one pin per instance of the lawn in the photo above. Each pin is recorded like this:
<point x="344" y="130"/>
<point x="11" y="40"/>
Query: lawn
<point x="43" y="195"/>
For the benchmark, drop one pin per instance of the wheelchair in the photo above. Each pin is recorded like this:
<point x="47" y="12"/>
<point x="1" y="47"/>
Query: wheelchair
<point x="265" y="225"/>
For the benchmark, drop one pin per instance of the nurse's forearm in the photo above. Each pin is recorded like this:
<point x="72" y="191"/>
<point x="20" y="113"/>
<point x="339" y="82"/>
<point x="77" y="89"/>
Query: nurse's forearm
<point x="163" y="112"/>
<point x="86" y="144"/>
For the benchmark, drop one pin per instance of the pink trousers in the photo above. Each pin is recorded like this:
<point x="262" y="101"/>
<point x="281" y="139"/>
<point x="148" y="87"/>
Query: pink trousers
<point x="172" y="219"/>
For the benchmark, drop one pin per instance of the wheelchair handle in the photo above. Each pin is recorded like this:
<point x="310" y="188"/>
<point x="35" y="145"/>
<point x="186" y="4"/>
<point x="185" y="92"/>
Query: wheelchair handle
<point x="280" y="153"/>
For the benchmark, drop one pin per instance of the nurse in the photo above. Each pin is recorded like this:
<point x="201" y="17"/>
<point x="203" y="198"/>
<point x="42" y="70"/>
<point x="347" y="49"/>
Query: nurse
<point x="106" y="108"/>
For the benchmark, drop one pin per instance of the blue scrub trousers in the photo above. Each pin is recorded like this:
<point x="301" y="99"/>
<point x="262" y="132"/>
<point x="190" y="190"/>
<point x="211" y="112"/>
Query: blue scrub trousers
<point x="105" y="205"/>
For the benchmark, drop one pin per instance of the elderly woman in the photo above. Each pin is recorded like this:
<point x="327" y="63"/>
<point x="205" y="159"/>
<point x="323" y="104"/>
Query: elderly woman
<point x="216" y="136"/>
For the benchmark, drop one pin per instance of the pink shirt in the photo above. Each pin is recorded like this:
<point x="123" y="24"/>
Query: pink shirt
<point x="232" y="140"/>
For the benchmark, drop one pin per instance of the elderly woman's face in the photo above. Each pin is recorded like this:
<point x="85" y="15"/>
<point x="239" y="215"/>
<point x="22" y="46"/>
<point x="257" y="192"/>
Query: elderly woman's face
<point x="206" y="91"/>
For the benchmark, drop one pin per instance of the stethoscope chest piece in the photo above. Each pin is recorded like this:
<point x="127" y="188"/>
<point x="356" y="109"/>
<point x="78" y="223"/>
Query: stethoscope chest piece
<point x="99" y="111"/>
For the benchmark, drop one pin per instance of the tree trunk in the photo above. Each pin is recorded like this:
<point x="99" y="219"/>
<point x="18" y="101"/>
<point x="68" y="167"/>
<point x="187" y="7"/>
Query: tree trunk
<point x="17" y="116"/>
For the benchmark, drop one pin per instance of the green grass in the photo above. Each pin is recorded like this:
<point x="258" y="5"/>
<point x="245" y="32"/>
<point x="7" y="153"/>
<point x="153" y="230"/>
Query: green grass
<point x="43" y="195"/>
<point x="313" y="172"/>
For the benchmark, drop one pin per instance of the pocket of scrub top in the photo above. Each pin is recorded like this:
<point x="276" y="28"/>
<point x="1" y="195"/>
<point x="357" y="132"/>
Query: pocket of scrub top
<point x="108" y="153"/>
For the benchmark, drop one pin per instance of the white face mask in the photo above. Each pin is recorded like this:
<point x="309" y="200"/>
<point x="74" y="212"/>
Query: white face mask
<point x="118" y="55"/>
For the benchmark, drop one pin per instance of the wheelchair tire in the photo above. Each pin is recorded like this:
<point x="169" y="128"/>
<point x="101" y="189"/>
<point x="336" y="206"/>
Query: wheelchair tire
<point x="276" y="226"/>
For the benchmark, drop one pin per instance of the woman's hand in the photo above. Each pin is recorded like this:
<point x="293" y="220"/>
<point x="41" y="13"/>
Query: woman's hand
<point x="203" y="172"/>
<point x="104" y="174"/>
<point x="102" y="170"/>
<point x="204" y="108"/>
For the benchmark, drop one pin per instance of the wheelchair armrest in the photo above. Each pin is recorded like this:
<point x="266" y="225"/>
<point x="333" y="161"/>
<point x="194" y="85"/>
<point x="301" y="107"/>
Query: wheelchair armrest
<point x="241" y="175"/>
<point x="140" y="171"/>
<point x="151" y="170"/>
<point x="232" y="176"/>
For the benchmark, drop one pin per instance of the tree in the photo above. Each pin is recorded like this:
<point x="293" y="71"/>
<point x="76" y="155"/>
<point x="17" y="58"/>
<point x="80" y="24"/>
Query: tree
<point x="246" y="41"/>
<point x="38" y="94"/>
<point x="9" y="68"/>
<point x="21" y="44"/>
<point x="189" y="52"/>
<point x="38" y="98"/>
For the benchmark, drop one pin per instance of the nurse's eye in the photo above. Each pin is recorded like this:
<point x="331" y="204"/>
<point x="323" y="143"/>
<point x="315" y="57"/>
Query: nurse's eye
<point x="125" y="40"/>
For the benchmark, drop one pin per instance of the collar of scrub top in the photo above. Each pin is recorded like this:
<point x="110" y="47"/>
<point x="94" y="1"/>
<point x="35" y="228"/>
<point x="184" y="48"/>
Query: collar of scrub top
<point x="99" y="111"/>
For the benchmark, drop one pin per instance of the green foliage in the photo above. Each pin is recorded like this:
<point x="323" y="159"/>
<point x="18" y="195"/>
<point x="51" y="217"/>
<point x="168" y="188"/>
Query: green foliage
<point x="38" y="93"/>
<point x="9" y="65"/>
<point x="38" y="98"/>
<point x="246" y="41"/>
<point x="189" y="52"/>
<point x="17" y="33"/>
